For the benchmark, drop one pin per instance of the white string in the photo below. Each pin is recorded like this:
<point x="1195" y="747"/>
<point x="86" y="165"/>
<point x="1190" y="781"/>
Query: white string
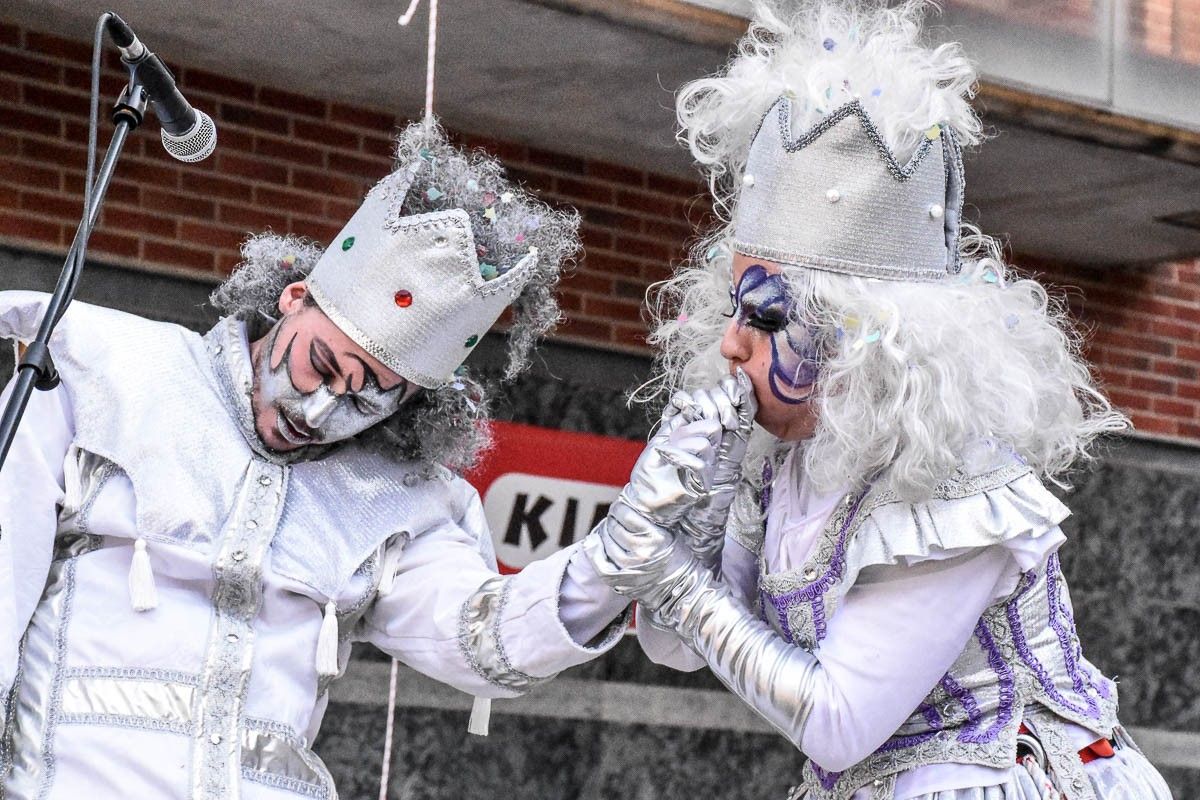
<point x="385" y="773"/>
<point x="431" y="51"/>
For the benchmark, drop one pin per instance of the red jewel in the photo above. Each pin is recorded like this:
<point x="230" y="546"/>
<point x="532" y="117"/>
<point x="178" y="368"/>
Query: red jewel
<point x="403" y="298"/>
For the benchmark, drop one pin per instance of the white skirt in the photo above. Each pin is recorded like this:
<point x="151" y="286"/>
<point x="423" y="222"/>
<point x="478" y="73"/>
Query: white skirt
<point x="1127" y="775"/>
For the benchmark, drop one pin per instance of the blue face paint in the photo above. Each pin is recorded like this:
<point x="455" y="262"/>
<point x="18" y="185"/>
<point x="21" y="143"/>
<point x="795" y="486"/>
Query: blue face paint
<point x="761" y="301"/>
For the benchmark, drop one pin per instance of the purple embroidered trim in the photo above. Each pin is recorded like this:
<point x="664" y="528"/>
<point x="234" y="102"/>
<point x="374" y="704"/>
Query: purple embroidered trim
<point x="1067" y="639"/>
<point x="1007" y="680"/>
<point x="1100" y="684"/>
<point x="900" y="742"/>
<point x="814" y="592"/>
<point x="828" y="779"/>
<point x="1013" y="615"/>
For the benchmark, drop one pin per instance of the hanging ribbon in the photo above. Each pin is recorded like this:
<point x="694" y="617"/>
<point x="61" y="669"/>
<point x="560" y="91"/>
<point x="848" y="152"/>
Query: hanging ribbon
<point x="431" y="53"/>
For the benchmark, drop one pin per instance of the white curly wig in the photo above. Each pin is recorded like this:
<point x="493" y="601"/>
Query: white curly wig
<point x="914" y="376"/>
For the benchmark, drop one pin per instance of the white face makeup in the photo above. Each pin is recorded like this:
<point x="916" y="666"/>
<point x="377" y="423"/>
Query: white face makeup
<point x="320" y="416"/>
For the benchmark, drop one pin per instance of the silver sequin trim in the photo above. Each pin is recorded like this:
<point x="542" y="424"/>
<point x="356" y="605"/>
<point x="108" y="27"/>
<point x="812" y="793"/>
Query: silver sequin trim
<point x="237" y="596"/>
<point x="479" y="637"/>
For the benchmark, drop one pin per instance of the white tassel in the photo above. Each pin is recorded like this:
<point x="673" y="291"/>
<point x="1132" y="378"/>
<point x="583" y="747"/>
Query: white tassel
<point x="327" y="643"/>
<point x="143" y="594"/>
<point x="481" y="714"/>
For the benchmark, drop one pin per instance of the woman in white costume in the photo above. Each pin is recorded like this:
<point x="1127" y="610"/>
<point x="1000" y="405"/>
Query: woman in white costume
<point x="886" y="590"/>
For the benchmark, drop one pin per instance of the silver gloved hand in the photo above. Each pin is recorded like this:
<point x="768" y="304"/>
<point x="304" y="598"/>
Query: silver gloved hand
<point x="732" y="403"/>
<point x="639" y="559"/>
<point x="673" y="473"/>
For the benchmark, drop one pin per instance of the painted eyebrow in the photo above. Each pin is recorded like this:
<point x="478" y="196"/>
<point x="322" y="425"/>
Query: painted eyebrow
<point x="318" y="346"/>
<point x="371" y="373"/>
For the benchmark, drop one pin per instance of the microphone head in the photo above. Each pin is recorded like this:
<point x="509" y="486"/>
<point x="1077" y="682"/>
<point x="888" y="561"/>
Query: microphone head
<point x="195" y="144"/>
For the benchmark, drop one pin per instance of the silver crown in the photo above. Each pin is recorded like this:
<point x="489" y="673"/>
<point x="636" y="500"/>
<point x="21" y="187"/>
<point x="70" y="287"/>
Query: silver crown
<point x="408" y="289"/>
<point x="836" y="198"/>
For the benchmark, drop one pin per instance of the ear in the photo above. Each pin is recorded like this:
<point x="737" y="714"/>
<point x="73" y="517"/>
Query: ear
<point x="291" y="299"/>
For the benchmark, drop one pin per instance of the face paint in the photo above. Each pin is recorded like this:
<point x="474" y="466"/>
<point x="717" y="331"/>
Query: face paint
<point x="319" y="416"/>
<point x="761" y="301"/>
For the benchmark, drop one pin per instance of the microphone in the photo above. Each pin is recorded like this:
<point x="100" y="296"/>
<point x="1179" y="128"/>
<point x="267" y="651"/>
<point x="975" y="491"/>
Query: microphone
<point x="188" y="134"/>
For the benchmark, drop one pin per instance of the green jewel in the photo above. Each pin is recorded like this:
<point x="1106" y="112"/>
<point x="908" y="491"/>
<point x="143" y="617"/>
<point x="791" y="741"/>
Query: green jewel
<point x="348" y="242"/>
<point x="471" y="342"/>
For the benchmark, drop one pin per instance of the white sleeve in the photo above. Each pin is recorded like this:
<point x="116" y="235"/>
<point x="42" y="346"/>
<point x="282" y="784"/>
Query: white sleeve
<point x="898" y="631"/>
<point x="587" y="606"/>
<point x="31" y="491"/>
<point x="450" y="616"/>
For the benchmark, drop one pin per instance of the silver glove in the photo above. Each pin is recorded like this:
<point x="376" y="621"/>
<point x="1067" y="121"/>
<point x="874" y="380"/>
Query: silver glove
<point x="731" y="402"/>
<point x="773" y="677"/>
<point x="672" y="473"/>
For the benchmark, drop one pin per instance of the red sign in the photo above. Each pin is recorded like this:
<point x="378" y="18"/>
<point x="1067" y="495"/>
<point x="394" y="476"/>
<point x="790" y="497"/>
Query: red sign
<point x="544" y="489"/>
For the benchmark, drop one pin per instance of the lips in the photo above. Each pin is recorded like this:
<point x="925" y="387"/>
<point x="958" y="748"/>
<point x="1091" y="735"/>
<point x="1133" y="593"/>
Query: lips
<point x="292" y="433"/>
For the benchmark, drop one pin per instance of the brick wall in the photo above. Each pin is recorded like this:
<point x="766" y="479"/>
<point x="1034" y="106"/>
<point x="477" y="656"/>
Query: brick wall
<point x="300" y="165"/>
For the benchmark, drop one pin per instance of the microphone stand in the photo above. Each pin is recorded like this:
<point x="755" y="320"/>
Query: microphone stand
<point x="36" y="369"/>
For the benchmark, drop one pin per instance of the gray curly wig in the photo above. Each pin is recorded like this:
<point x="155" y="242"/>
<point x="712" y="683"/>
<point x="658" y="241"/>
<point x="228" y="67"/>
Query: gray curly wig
<point x="447" y="425"/>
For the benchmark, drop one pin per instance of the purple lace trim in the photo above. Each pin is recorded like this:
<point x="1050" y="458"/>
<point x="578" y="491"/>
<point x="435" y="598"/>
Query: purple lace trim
<point x="1068" y="640"/>
<point x="935" y="726"/>
<point x="1013" y="614"/>
<point x="768" y="477"/>
<point x="1004" y="675"/>
<point x="827" y="779"/>
<point x="814" y="593"/>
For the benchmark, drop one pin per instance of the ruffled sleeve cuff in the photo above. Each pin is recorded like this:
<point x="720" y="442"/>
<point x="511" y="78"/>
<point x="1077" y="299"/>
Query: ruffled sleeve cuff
<point x="1019" y="514"/>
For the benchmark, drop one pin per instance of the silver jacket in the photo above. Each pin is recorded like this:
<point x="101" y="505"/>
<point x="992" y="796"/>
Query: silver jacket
<point x="215" y="692"/>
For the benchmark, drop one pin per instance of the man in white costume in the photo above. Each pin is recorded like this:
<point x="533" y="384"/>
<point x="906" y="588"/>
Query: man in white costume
<point x="194" y="529"/>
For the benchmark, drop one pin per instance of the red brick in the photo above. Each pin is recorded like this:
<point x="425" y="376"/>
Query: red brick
<point x="175" y="255"/>
<point x="226" y="262"/>
<point x="124" y="220"/>
<point x="1185" y="353"/>
<point x="1176" y="369"/>
<point x="192" y="78"/>
<point x="10" y="144"/>
<point x="511" y="153"/>
<point x="111" y="84"/>
<point x="340" y="209"/>
<point x="615" y="173"/>
<point x="217" y="186"/>
<point x="317" y="231"/>
<point x="47" y="99"/>
<point x="150" y="174"/>
<point x="1120" y="358"/>
<point x="324" y="183"/>
<point x="110" y="243"/>
<point x="10" y="34"/>
<point x="607" y="218"/>
<point x="64" y="207"/>
<point x="288" y="150"/>
<point x="250" y="168"/>
<point x="585" y="329"/>
<point x="377" y="146"/>
<point x="574" y="189"/>
<point x="286" y="201"/>
<point x="631" y="336"/>
<point x="1145" y="383"/>
<point x="179" y="204"/>
<point x="644" y="248"/>
<point x="373" y="168"/>
<point x="595" y="237"/>
<point x="10" y="91"/>
<point x="1176" y="409"/>
<point x="232" y="140"/>
<point x="559" y="162"/>
<point x="569" y="301"/>
<point x="253" y="118"/>
<point x="1178" y="331"/>
<point x="293" y="103"/>
<point x="327" y="135"/>
<point x="50" y="45"/>
<point x="1145" y="423"/>
<point x="360" y="117"/>
<point x="658" y="205"/>
<point x="29" y="68"/>
<point x="1127" y="400"/>
<point x="23" y="173"/>
<point x="581" y="280"/>
<point x="537" y="180"/>
<point x="18" y="119"/>
<point x="609" y="309"/>
<point x="675" y="186"/>
<point x="250" y="218"/>
<point x="632" y="290"/>
<point x="212" y="236"/>
<point x="124" y="192"/>
<point x="674" y="233"/>
<point x="611" y="264"/>
<point x="39" y="229"/>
